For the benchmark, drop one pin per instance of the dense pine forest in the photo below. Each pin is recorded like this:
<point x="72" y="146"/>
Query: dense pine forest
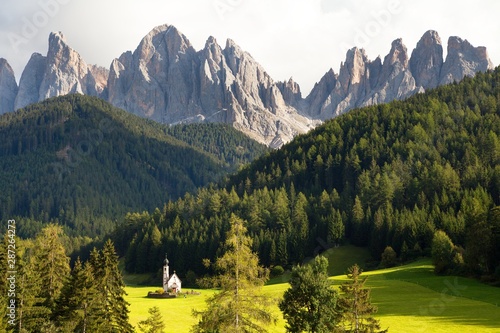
<point x="79" y="162"/>
<point x="394" y="178"/>
<point x="221" y="140"/>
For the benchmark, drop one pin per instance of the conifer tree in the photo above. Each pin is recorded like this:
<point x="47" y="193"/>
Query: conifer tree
<point x="112" y="308"/>
<point x="77" y="303"/>
<point x="32" y="313"/>
<point x="336" y="229"/>
<point x="52" y="263"/>
<point x="355" y="305"/>
<point x="154" y="323"/>
<point x="239" y="306"/>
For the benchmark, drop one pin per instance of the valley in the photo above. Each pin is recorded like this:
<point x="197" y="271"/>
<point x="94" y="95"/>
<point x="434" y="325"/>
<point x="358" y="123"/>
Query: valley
<point x="250" y="187"/>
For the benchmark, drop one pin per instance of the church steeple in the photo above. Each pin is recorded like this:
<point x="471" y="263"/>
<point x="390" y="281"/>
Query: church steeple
<point x="166" y="274"/>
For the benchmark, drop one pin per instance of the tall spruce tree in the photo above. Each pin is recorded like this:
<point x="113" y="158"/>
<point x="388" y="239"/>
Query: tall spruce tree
<point x="112" y="309"/>
<point x="310" y="304"/>
<point x="355" y="305"/>
<point x="76" y="307"/>
<point x="32" y="312"/>
<point x="240" y="305"/>
<point x="52" y="263"/>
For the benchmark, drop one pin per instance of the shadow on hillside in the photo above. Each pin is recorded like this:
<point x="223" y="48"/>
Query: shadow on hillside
<point x="449" y="305"/>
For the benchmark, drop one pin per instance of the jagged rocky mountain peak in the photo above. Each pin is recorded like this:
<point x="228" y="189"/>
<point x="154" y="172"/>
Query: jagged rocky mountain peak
<point x="397" y="54"/>
<point x="463" y="59"/>
<point x="163" y="40"/>
<point x="167" y="80"/>
<point x="212" y="50"/>
<point x="62" y="71"/>
<point x="8" y="87"/>
<point x="57" y="38"/>
<point x="429" y="38"/>
<point x="457" y="45"/>
<point x="427" y="60"/>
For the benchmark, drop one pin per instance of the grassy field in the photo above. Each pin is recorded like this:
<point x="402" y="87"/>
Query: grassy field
<point x="410" y="299"/>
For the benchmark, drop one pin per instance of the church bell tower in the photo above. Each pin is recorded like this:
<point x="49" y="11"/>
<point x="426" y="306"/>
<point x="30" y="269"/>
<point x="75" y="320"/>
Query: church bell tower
<point x="166" y="274"/>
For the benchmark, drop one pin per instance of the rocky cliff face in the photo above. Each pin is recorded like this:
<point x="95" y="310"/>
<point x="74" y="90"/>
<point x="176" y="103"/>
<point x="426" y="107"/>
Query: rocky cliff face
<point x="62" y="71"/>
<point x="362" y="82"/>
<point x="156" y="80"/>
<point x="167" y="80"/>
<point x="463" y="59"/>
<point x="8" y="87"/>
<point x="31" y="80"/>
<point x="427" y="61"/>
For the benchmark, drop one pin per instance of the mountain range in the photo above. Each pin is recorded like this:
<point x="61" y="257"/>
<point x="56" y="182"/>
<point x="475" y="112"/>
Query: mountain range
<point x="165" y="79"/>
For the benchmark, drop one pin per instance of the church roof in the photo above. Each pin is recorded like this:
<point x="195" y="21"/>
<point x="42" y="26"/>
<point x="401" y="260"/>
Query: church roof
<point x="171" y="276"/>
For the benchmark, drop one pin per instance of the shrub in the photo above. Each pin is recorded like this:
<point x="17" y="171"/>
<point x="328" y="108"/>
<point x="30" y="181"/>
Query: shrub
<point x="277" y="271"/>
<point x="442" y="252"/>
<point x="389" y="258"/>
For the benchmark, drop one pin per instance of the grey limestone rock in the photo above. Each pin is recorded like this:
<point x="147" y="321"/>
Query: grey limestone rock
<point x="31" y="79"/>
<point x="165" y="79"/>
<point x="63" y="71"/>
<point x="362" y="82"/>
<point x="8" y="87"/>
<point x="462" y="60"/>
<point x="427" y="60"/>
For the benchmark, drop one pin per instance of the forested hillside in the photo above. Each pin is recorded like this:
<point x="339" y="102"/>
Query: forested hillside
<point x="78" y="161"/>
<point x="221" y="140"/>
<point x="388" y="175"/>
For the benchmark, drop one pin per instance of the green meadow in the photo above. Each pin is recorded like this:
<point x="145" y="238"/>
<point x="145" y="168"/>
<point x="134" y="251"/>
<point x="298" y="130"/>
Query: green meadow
<point x="410" y="299"/>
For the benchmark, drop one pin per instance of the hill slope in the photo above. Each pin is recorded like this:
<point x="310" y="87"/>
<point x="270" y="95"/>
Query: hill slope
<point x="221" y="140"/>
<point x="82" y="162"/>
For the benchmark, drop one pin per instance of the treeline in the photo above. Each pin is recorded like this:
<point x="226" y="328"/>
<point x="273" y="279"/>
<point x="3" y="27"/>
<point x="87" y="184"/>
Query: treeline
<point x="79" y="162"/>
<point x="40" y="292"/>
<point x="387" y="175"/>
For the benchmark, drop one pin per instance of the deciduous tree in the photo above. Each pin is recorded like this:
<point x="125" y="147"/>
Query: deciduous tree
<point x="310" y="304"/>
<point x="239" y="306"/>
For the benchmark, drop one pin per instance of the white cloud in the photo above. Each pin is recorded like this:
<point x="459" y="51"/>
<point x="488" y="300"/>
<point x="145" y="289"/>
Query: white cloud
<point x="295" y="38"/>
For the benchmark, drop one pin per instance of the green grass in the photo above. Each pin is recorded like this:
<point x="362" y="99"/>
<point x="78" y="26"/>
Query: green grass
<point x="343" y="257"/>
<point x="340" y="259"/>
<point x="176" y="312"/>
<point x="410" y="299"/>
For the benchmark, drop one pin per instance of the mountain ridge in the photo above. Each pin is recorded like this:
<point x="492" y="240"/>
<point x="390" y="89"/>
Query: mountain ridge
<point x="167" y="80"/>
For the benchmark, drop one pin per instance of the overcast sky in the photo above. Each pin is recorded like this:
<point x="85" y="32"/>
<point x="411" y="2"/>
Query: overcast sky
<point x="302" y="39"/>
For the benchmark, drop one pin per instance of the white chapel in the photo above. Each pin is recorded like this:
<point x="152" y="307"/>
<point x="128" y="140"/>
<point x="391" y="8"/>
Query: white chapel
<point x="170" y="282"/>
